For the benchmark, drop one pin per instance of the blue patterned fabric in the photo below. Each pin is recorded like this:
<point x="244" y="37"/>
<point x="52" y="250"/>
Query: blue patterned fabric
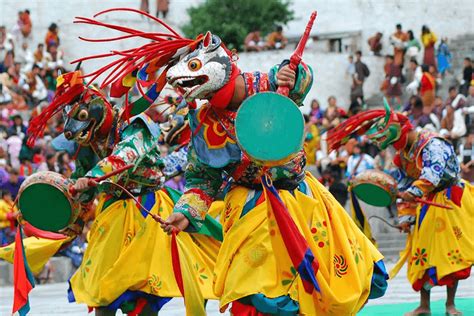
<point x="440" y="167"/>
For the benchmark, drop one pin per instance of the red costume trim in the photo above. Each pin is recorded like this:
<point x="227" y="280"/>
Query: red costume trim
<point x="223" y="96"/>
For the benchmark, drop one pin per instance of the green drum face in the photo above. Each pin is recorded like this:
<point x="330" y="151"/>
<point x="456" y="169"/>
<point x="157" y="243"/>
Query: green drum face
<point x="372" y="194"/>
<point x="375" y="188"/>
<point x="45" y="207"/>
<point x="44" y="201"/>
<point x="269" y="127"/>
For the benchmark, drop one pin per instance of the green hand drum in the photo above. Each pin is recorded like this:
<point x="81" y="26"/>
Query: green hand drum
<point x="375" y="188"/>
<point x="269" y="128"/>
<point x="45" y="202"/>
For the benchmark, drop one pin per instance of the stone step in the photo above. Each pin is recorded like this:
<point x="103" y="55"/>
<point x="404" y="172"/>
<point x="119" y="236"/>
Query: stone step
<point x="61" y="270"/>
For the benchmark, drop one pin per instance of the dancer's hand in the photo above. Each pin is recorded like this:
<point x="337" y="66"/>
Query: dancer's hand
<point x="407" y="196"/>
<point x="176" y="221"/>
<point x="404" y="227"/>
<point x="82" y="184"/>
<point x="286" y="77"/>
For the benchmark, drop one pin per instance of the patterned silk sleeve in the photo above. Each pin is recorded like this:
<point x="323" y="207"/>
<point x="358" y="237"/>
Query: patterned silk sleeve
<point x="175" y="162"/>
<point x="434" y="160"/>
<point x="304" y="81"/>
<point x="133" y="147"/>
<point x="202" y="185"/>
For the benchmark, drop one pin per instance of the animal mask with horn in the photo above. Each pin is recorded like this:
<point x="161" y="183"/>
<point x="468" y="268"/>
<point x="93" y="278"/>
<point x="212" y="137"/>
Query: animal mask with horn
<point x="383" y="127"/>
<point x="197" y="68"/>
<point x="86" y="111"/>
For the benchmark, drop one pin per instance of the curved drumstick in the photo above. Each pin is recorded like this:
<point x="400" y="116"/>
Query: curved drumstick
<point x="295" y="59"/>
<point x="93" y="181"/>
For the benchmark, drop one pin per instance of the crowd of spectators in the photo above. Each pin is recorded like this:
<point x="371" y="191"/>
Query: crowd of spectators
<point x="412" y="85"/>
<point x="254" y="42"/>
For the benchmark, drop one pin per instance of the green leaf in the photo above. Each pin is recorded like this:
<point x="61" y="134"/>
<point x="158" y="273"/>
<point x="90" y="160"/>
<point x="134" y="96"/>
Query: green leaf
<point x="203" y="276"/>
<point x="293" y="270"/>
<point x="286" y="282"/>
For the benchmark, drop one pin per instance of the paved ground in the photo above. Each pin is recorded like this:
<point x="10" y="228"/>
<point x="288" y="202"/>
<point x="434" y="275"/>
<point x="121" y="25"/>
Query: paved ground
<point x="51" y="300"/>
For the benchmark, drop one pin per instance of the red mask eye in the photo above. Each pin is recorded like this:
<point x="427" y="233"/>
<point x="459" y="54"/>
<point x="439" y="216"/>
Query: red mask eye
<point x="194" y="64"/>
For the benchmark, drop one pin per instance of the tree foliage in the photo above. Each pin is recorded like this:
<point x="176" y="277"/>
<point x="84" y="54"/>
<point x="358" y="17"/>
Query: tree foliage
<point x="232" y="20"/>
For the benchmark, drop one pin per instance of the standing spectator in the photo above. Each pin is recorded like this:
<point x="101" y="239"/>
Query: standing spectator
<point x="162" y="6"/>
<point x="427" y="88"/>
<point x="466" y="157"/>
<point x="13" y="184"/>
<point x="52" y="36"/>
<point x="413" y="46"/>
<point x="311" y="142"/>
<point x="25" y="22"/>
<point x="429" y="40"/>
<point x="375" y="43"/>
<point x="398" y="40"/>
<point x="276" y="40"/>
<point x="253" y="42"/>
<point x="466" y="76"/>
<point x="414" y="75"/>
<point x="6" y="45"/>
<point x="393" y="74"/>
<point x="350" y="69"/>
<point x="469" y="110"/>
<point x="361" y="73"/>
<point x="444" y="57"/>
<point x="358" y="162"/>
<point x="145" y="6"/>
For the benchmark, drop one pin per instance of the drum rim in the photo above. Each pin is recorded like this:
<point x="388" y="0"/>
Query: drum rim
<point x="28" y="184"/>
<point x="274" y="162"/>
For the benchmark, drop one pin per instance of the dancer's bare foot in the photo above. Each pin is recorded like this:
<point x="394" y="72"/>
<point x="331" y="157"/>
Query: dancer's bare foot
<point x="452" y="311"/>
<point x="419" y="311"/>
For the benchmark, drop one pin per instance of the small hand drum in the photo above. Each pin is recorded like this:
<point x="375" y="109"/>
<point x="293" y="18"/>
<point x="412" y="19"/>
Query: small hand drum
<point x="375" y="188"/>
<point x="269" y="128"/>
<point x="45" y="202"/>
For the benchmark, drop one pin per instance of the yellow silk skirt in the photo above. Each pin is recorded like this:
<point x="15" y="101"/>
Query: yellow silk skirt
<point x="37" y="250"/>
<point x="444" y="239"/>
<point x="129" y="252"/>
<point x="253" y="258"/>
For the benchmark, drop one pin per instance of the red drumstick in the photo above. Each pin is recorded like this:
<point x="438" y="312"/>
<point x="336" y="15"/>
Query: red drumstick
<point x="423" y="201"/>
<point x="295" y="59"/>
<point x="93" y="181"/>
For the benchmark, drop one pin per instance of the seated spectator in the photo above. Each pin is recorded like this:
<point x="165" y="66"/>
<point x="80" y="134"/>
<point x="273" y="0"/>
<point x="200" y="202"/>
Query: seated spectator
<point x="52" y="37"/>
<point x="453" y="125"/>
<point x="412" y="46"/>
<point x="333" y="114"/>
<point x="358" y="162"/>
<point x="33" y="87"/>
<point x="53" y="57"/>
<point x="13" y="184"/>
<point x="176" y="183"/>
<point x="335" y="186"/>
<point x="384" y="161"/>
<point x="375" y="43"/>
<point x="417" y="118"/>
<point x="455" y="99"/>
<point x="7" y="61"/>
<point x="8" y="214"/>
<point x="276" y="40"/>
<point x="6" y="45"/>
<point x="466" y="157"/>
<point x="253" y="42"/>
<point x="467" y="78"/>
<point x="316" y="114"/>
<point x="50" y="164"/>
<point x="25" y="57"/>
<point x="39" y="54"/>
